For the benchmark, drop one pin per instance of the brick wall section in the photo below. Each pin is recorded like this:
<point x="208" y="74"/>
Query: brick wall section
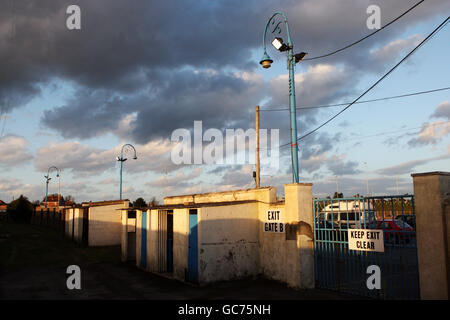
<point x="105" y="224"/>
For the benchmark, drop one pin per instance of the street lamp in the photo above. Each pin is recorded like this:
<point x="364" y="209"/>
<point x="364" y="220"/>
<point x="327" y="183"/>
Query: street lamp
<point x="121" y="159"/>
<point x="47" y="180"/>
<point x="266" y="62"/>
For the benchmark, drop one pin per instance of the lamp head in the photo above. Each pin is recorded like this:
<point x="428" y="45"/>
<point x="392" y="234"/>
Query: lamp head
<point x="279" y="44"/>
<point x="117" y="158"/>
<point x="266" y="61"/>
<point x="299" y="56"/>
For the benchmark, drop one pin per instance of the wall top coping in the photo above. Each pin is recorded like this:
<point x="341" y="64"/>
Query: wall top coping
<point x="220" y="192"/>
<point x="299" y="184"/>
<point x="433" y="173"/>
<point x="190" y="205"/>
<point x="103" y="203"/>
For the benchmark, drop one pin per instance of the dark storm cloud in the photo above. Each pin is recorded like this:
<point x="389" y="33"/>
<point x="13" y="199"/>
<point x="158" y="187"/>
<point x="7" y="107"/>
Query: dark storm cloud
<point x="118" y="40"/>
<point x="172" y="62"/>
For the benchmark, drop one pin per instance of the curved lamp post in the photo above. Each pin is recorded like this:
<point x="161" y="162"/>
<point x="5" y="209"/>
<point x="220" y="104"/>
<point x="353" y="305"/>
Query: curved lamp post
<point x="47" y="180"/>
<point x="292" y="59"/>
<point x="121" y="159"/>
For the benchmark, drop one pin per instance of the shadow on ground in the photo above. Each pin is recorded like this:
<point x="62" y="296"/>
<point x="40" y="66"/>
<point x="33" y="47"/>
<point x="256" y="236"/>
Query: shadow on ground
<point x="33" y="262"/>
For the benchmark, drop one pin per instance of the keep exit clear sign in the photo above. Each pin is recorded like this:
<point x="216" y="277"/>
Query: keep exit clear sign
<point x="366" y="240"/>
<point x="274" y="222"/>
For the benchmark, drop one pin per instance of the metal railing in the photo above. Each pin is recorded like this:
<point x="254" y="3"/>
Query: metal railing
<point x="341" y="269"/>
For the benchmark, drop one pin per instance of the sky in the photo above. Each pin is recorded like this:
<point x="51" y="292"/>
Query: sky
<point x="137" y="71"/>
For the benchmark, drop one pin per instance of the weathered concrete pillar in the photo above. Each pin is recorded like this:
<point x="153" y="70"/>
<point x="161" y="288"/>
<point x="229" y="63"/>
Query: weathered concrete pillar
<point x="299" y="235"/>
<point x="431" y="197"/>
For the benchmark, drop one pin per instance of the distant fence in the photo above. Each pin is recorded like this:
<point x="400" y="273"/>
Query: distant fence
<point x="52" y="218"/>
<point x="4" y="216"/>
<point x="392" y="214"/>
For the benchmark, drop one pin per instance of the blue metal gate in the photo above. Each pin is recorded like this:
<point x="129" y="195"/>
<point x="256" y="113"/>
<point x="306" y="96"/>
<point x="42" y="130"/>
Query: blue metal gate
<point x="341" y="269"/>
<point x="144" y="240"/>
<point x="192" y="272"/>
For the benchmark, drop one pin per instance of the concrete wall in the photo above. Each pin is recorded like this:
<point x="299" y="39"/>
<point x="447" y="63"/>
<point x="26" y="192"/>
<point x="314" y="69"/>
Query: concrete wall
<point x="432" y="198"/>
<point x="180" y="242"/>
<point x="124" y="235"/>
<point x="232" y="243"/>
<point x="69" y="222"/>
<point x="105" y="224"/>
<point x="78" y="224"/>
<point x="228" y="242"/>
<point x="128" y="237"/>
<point x="138" y="234"/>
<point x="152" y="242"/>
<point x="272" y="246"/>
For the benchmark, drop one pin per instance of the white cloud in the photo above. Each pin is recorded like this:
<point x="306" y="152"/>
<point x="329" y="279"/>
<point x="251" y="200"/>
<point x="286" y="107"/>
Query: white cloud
<point x="180" y="179"/>
<point x="431" y="133"/>
<point x="320" y="83"/>
<point x="394" y="48"/>
<point x="407" y="167"/>
<point x="84" y="159"/>
<point x="13" y="150"/>
<point x="12" y="189"/>
<point x="126" y="126"/>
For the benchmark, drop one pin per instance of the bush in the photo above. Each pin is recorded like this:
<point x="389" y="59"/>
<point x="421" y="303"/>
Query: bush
<point x="139" y="203"/>
<point x="20" y="210"/>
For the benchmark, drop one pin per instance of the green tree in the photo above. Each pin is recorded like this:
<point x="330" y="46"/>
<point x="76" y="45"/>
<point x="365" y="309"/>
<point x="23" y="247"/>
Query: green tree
<point x="338" y="195"/>
<point x="20" y="210"/>
<point x="139" y="203"/>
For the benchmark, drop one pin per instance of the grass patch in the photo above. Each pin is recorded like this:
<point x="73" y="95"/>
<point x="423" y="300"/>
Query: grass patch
<point x="25" y="245"/>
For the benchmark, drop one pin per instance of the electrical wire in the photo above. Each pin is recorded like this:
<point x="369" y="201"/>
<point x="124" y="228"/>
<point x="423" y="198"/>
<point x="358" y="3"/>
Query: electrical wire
<point x="364" y="101"/>
<point x="364" y="38"/>
<point x="358" y="138"/>
<point x="384" y="133"/>
<point x="436" y="30"/>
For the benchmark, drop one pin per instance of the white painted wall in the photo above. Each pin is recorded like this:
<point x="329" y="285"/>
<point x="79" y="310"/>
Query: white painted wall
<point x="180" y="242"/>
<point x="228" y="242"/>
<point x="105" y="224"/>
<point x="232" y="243"/>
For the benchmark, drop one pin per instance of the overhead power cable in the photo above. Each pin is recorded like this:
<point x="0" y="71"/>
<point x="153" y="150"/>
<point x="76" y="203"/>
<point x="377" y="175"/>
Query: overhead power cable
<point x="364" y="38"/>
<point x="436" y="30"/>
<point x="364" y="101"/>
<point x="358" y="138"/>
<point x="384" y="133"/>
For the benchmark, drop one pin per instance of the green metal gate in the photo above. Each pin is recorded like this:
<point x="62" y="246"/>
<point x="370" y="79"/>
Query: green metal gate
<point x="341" y="269"/>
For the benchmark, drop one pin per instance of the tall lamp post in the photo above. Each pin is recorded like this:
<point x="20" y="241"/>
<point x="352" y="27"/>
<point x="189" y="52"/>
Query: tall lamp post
<point x="121" y="159"/>
<point x="292" y="59"/>
<point x="47" y="180"/>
